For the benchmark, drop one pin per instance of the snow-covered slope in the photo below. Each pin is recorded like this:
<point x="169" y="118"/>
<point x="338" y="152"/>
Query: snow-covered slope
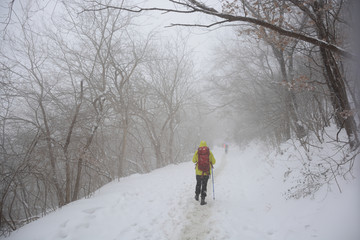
<point x="249" y="204"/>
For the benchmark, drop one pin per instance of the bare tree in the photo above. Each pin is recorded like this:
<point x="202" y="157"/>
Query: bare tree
<point x="167" y="81"/>
<point x="325" y="14"/>
<point x="226" y="16"/>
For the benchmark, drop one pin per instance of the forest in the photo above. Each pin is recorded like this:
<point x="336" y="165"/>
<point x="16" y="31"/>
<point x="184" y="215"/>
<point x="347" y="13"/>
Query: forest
<point x="88" y="96"/>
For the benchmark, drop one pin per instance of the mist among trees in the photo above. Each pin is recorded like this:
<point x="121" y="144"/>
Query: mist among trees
<point x="88" y="96"/>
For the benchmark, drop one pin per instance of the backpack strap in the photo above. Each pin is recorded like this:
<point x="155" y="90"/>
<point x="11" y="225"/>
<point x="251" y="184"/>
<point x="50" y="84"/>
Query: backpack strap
<point x="198" y="162"/>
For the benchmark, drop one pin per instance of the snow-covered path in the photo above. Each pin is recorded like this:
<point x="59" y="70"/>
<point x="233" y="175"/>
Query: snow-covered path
<point x="198" y="219"/>
<point x="160" y="205"/>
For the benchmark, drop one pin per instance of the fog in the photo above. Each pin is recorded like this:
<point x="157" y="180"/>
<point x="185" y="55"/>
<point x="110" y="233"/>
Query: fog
<point x="93" y="91"/>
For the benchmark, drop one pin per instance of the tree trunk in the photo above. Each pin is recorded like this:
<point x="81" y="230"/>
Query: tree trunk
<point x="67" y="143"/>
<point x="122" y="156"/>
<point x="159" y="159"/>
<point x="98" y="109"/>
<point x="339" y="97"/>
<point x="290" y="100"/>
<point x="335" y="80"/>
<point x="80" y="161"/>
<point x="171" y="142"/>
<point x="54" y="179"/>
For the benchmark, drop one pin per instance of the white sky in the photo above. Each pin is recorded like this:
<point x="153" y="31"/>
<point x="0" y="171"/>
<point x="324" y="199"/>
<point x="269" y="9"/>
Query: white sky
<point x="201" y="40"/>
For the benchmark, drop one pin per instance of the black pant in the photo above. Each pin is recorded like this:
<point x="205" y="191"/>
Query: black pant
<point x="201" y="185"/>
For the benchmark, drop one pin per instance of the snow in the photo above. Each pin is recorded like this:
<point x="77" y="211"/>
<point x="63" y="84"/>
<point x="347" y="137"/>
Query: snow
<point x="249" y="204"/>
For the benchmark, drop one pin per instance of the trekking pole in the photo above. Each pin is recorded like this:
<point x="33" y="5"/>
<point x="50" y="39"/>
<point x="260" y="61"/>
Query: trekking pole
<point x="212" y="176"/>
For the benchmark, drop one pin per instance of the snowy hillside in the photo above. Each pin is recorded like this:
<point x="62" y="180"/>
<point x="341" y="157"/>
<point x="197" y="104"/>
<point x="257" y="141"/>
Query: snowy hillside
<point x="249" y="204"/>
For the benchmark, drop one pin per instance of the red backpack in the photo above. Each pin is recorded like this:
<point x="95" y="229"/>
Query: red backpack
<point x="203" y="159"/>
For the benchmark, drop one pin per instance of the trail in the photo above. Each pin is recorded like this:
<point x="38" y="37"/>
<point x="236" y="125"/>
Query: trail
<point x="237" y="205"/>
<point x="199" y="221"/>
<point x="160" y="205"/>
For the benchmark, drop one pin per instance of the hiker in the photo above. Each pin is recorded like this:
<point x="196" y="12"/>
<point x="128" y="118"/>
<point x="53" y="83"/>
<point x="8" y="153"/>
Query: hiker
<point x="204" y="160"/>
<point x="226" y="146"/>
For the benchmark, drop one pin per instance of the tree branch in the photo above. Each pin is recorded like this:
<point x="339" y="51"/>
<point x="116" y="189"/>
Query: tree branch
<point x="197" y="25"/>
<point x="193" y="6"/>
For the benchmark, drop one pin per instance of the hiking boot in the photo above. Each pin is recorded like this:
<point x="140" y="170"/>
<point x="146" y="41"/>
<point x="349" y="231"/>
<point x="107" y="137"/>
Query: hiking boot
<point x="203" y="201"/>
<point x="197" y="197"/>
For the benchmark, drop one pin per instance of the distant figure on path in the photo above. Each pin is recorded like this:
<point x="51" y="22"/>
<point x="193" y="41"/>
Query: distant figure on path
<point x="204" y="160"/>
<point x="226" y="146"/>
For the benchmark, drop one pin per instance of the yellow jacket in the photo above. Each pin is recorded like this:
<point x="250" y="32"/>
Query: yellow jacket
<point x="195" y="159"/>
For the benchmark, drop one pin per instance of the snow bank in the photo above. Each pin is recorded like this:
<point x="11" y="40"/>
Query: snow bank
<point x="145" y="206"/>
<point x="252" y="203"/>
<point x="249" y="204"/>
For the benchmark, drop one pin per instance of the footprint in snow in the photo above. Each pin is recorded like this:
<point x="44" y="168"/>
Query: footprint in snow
<point x="83" y="225"/>
<point x="91" y="210"/>
<point x="62" y="234"/>
<point x="63" y="225"/>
